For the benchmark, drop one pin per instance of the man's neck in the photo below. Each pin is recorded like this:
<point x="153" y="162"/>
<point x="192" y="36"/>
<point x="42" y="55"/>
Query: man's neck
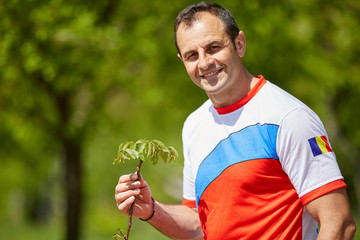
<point x="244" y="85"/>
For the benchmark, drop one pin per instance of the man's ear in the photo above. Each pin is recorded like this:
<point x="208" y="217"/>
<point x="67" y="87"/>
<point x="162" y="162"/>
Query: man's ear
<point x="240" y="43"/>
<point x="179" y="56"/>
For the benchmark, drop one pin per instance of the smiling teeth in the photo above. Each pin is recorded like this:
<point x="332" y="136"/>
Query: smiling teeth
<point x="211" y="74"/>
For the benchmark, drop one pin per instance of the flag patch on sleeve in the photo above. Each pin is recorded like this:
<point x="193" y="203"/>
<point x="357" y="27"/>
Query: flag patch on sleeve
<point x="319" y="145"/>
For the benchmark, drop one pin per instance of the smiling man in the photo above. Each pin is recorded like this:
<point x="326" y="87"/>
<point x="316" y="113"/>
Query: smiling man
<point x="213" y="60"/>
<point x="258" y="163"/>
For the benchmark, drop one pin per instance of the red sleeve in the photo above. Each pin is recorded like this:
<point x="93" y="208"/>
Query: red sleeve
<point x="189" y="203"/>
<point x="322" y="191"/>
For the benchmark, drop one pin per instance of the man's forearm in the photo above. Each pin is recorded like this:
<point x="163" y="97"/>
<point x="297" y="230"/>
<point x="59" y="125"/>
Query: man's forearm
<point x="177" y="221"/>
<point x="332" y="212"/>
<point x="344" y="232"/>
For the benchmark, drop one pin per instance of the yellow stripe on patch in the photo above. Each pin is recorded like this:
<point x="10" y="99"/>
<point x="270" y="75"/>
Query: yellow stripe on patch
<point x="321" y="144"/>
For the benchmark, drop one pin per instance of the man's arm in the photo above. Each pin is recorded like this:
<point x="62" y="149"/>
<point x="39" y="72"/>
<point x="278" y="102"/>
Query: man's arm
<point x="175" y="221"/>
<point x="332" y="212"/>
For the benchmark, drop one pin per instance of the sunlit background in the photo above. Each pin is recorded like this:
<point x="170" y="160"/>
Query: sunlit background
<point x="79" y="77"/>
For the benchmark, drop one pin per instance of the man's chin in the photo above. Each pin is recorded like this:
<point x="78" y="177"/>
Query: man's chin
<point x="212" y="87"/>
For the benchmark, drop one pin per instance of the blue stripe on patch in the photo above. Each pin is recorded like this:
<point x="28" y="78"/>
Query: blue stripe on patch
<point x="314" y="147"/>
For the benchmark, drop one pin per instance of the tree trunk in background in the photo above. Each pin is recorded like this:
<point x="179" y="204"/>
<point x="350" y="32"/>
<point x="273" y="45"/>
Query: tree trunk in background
<point x="71" y="142"/>
<point x="73" y="186"/>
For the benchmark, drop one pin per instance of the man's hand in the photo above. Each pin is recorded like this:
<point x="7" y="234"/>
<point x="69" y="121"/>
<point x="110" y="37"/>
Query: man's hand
<point x="175" y="221"/>
<point x="128" y="190"/>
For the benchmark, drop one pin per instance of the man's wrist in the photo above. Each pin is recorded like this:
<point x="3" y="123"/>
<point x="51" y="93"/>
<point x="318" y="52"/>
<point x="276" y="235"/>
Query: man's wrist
<point x="153" y="211"/>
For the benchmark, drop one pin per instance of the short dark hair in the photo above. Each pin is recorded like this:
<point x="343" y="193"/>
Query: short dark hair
<point x="189" y="15"/>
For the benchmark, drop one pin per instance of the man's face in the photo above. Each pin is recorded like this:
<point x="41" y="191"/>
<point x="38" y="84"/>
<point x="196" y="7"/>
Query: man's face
<point x="209" y="55"/>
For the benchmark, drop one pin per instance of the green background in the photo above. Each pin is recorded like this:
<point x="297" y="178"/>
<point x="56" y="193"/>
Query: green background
<point x="87" y="75"/>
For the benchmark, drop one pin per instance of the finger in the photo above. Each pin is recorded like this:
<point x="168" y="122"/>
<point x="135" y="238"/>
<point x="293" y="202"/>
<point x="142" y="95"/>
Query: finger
<point x="125" y="205"/>
<point x="122" y="196"/>
<point x="128" y="178"/>
<point x="121" y="187"/>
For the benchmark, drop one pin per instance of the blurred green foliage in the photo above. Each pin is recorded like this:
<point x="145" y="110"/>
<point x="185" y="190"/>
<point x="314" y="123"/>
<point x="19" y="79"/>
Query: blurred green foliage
<point x="96" y="73"/>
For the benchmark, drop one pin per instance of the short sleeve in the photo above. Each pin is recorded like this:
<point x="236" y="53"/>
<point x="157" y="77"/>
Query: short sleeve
<point x="188" y="173"/>
<point x="305" y="152"/>
<point x="188" y="182"/>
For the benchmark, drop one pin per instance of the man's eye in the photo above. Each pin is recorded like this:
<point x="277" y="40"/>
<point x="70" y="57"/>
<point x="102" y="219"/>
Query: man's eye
<point x="191" y="57"/>
<point x="213" y="49"/>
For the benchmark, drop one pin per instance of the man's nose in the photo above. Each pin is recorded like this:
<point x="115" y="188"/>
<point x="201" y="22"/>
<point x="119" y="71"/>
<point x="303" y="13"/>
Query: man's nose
<point x="205" y="60"/>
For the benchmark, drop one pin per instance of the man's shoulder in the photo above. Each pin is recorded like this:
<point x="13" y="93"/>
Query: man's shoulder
<point x="199" y="116"/>
<point x="276" y="99"/>
<point x="200" y="112"/>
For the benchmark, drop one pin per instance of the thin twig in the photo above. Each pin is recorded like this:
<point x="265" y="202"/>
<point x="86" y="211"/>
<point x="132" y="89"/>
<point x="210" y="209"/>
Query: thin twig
<point x="138" y="168"/>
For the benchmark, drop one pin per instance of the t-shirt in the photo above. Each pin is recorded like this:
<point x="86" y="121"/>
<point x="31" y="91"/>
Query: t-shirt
<point x="251" y="167"/>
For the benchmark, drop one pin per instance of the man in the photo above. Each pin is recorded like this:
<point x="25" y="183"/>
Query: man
<point x="258" y="164"/>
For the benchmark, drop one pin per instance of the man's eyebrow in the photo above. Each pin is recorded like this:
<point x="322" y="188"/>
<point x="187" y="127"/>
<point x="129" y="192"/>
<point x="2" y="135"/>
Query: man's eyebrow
<point x="215" y="42"/>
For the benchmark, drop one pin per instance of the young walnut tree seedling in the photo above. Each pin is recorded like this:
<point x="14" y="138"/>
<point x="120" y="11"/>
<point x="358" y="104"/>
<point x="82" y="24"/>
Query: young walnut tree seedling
<point x="141" y="150"/>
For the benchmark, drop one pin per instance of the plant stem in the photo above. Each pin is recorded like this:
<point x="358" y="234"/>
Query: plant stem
<point x="138" y="168"/>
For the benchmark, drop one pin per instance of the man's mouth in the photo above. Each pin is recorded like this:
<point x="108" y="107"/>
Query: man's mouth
<point x="211" y="74"/>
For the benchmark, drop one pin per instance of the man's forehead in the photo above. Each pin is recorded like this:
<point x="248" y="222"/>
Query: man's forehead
<point x="206" y="24"/>
<point x="203" y="31"/>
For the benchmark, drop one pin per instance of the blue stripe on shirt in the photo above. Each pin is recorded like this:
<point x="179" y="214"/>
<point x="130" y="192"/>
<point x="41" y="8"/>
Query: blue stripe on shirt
<point x="253" y="142"/>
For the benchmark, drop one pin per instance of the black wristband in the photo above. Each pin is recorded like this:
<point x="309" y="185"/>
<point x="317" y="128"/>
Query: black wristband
<point x="153" y="204"/>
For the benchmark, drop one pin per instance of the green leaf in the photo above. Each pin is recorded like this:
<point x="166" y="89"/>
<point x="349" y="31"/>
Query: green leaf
<point x="117" y="159"/>
<point x="164" y="154"/>
<point x="132" y="146"/>
<point x="142" y="146"/>
<point x="151" y="152"/>
<point x="133" y="154"/>
<point x="125" y="145"/>
<point x="159" y="144"/>
<point x="173" y="154"/>
<point x="155" y="159"/>
<point x="143" y="149"/>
